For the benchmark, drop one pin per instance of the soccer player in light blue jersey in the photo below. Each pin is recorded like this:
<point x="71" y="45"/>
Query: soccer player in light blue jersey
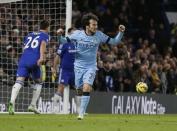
<point x="86" y="43"/>
<point x="31" y="61"/>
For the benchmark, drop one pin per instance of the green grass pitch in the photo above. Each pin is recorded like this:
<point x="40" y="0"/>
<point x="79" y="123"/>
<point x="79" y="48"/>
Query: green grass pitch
<point x="92" y="122"/>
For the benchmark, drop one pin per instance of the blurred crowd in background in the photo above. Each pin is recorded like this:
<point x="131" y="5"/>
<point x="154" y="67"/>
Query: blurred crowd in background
<point x="148" y="51"/>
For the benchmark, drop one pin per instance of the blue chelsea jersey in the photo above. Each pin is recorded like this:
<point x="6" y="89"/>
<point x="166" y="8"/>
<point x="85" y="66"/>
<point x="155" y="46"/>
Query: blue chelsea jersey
<point x="32" y="43"/>
<point x="67" y="55"/>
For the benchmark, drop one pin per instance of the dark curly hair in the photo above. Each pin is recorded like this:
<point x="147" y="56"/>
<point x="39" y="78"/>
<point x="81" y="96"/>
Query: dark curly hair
<point x="86" y="18"/>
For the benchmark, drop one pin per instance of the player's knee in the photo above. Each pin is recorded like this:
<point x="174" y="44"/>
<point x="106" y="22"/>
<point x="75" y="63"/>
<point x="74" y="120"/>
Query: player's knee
<point x="38" y="81"/>
<point x="79" y="92"/>
<point x="19" y="83"/>
<point x="20" y="79"/>
<point x="87" y="88"/>
<point x="37" y="86"/>
<point x="61" y="86"/>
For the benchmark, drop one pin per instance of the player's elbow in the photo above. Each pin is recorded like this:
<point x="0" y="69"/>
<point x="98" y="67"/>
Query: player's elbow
<point x="114" y="41"/>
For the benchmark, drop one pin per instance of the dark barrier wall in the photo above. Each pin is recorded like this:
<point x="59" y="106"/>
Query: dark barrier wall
<point x="101" y="102"/>
<point x="132" y="103"/>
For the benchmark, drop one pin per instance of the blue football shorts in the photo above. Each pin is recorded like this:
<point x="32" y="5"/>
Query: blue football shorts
<point x="25" y="71"/>
<point x="84" y="76"/>
<point x="66" y="77"/>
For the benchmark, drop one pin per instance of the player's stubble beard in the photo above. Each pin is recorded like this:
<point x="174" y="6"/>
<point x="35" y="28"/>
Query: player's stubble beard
<point x="92" y="31"/>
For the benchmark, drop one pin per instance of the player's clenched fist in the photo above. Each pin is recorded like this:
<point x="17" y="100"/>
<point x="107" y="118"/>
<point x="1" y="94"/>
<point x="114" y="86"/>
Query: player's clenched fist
<point x="121" y="28"/>
<point x="60" y="31"/>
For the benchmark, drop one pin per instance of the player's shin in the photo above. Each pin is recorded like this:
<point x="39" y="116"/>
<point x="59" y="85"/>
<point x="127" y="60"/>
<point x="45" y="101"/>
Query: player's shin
<point x="15" y="90"/>
<point x="66" y="100"/>
<point x="84" y="103"/>
<point x="78" y="103"/>
<point x="78" y="100"/>
<point x="56" y="99"/>
<point x="36" y="93"/>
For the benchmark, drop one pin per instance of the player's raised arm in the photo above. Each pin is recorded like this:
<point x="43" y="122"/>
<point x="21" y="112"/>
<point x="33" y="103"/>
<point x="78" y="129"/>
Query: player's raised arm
<point x="118" y="37"/>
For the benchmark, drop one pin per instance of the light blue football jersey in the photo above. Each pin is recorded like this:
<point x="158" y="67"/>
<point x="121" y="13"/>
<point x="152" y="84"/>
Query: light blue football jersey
<point x="86" y="48"/>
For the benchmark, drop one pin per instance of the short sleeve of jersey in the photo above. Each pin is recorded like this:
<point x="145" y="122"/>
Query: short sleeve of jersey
<point x="103" y="37"/>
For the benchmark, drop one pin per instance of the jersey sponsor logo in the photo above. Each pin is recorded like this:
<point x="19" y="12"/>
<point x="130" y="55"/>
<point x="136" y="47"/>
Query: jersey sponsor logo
<point x="71" y="51"/>
<point x="87" y="43"/>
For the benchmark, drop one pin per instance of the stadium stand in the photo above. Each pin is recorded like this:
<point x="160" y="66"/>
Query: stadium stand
<point x="147" y="53"/>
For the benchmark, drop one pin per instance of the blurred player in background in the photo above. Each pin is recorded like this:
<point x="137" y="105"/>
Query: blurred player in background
<point x="65" y="55"/>
<point x="31" y="62"/>
<point x="86" y="43"/>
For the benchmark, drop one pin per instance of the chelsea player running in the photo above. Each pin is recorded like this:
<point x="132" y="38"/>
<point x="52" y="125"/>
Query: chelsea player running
<point x="31" y="61"/>
<point x="86" y="43"/>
